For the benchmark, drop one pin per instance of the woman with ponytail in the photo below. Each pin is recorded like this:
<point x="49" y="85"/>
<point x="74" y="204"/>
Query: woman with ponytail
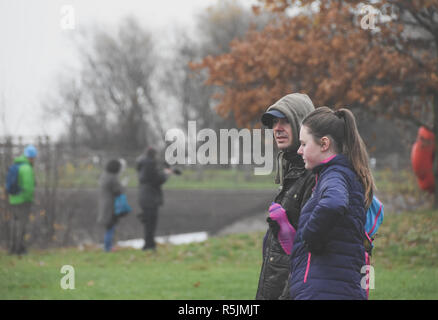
<point x="328" y="253"/>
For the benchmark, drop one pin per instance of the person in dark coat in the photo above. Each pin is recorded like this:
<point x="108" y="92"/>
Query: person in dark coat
<point x="284" y="117"/>
<point x="151" y="177"/>
<point x="110" y="188"/>
<point x="328" y="253"/>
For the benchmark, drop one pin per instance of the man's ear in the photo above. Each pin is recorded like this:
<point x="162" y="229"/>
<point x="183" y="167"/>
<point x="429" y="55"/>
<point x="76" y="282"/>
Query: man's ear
<point x="325" y="143"/>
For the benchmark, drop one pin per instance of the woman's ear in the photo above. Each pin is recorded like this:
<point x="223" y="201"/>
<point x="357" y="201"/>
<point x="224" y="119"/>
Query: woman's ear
<point x="325" y="143"/>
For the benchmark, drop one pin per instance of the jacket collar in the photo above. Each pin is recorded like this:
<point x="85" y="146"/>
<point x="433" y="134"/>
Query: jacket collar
<point x="289" y="165"/>
<point x="339" y="159"/>
<point x="21" y="159"/>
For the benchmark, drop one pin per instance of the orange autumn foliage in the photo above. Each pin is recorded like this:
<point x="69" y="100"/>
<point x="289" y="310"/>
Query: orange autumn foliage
<point x="327" y="55"/>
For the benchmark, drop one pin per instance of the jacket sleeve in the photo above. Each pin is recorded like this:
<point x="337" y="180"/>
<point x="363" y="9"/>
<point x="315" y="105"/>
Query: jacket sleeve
<point x="308" y="188"/>
<point x="160" y="177"/>
<point x="153" y="175"/>
<point x="332" y="204"/>
<point x="139" y="163"/>
<point x="116" y="188"/>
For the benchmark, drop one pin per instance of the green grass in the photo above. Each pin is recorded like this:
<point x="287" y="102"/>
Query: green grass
<point x="220" y="268"/>
<point x="87" y="176"/>
<point x="397" y="182"/>
<point x="220" y="179"/>
<point x="401" y="283"/>
<point x="405" y="257"/>
<point x="405" y="263"/>
<point x="217" y="178"/>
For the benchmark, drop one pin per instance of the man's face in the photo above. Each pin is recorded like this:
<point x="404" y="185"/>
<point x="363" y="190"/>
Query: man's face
<point x="282" y="132"/>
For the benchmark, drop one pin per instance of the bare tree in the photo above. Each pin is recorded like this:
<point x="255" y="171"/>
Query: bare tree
<point x="112" y="104"/>
<point x="118" y="71"/>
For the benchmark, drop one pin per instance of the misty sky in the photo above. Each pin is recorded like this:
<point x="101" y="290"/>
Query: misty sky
<point x="35" y="48"/>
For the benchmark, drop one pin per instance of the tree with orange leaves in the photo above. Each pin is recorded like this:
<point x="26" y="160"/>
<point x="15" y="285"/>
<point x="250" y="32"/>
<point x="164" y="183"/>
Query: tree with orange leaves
<point x="382" y="58"/>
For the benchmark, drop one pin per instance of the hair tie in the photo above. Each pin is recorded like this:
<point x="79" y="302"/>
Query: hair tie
<point x="340" y="114"/>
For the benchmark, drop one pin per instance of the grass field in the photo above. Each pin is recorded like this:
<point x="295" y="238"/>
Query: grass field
<point x="388" y="181"/>
<point x="213" y="178"/>
<point x="405" y="264"/>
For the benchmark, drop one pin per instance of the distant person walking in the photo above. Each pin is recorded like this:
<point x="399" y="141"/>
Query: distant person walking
<point x="110" y="189"/>
<point x="284" y="117"/>
<point x="20" y="188"/>
<point x="150" y="196"/>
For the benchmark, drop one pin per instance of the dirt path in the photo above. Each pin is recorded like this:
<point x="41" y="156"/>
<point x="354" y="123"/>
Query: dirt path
<point x="184" y="211"/>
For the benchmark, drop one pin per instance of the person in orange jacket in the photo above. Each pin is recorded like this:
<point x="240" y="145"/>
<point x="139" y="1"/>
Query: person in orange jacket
<point x="422" y="156"/>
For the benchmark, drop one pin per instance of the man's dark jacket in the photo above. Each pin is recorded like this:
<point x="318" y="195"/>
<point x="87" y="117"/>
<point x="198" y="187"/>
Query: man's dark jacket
<point x="151" y="177"/>
<point x="297" y="187"/>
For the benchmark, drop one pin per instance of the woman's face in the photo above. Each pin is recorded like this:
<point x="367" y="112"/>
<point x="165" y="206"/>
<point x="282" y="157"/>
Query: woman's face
<point x="310" y="151"/>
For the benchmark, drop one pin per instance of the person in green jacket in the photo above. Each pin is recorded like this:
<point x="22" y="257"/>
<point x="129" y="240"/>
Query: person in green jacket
<point x="21" y="202"/>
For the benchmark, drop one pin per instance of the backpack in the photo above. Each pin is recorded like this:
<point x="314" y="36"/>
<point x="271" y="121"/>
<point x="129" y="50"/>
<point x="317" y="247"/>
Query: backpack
<point x="374" y="219"/>
<point x="12" y="186"/>
<point x="121" y="206"/>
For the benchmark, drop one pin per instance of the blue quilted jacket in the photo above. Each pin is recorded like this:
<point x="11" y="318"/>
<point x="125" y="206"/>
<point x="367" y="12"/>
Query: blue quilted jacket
<point x="328" y="251"/>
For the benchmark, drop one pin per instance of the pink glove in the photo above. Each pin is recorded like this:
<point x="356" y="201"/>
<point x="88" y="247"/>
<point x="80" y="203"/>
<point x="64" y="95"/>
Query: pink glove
<point x="286" y="234"/>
